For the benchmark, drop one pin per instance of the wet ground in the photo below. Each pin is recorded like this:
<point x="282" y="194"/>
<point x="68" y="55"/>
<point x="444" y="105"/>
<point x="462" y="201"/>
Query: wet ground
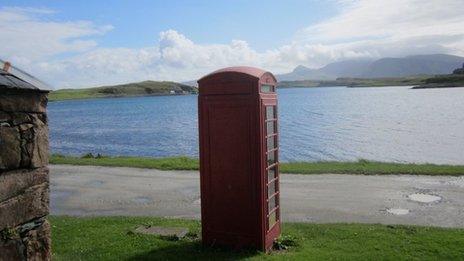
<point x="327" y="198"/>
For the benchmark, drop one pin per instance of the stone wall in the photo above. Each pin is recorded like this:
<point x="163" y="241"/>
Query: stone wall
<point x="24" y="176"/>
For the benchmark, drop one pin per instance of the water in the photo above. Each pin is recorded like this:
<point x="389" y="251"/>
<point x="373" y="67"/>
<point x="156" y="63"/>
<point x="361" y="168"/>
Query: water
<point x="386" y="124"/>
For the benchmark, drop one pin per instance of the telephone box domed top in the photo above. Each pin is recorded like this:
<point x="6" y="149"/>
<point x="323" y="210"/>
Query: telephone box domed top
<point x="246" y="70"/>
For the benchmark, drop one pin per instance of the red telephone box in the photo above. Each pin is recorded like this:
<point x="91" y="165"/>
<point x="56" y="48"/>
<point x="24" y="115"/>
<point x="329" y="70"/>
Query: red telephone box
<point x="239" y="168"/>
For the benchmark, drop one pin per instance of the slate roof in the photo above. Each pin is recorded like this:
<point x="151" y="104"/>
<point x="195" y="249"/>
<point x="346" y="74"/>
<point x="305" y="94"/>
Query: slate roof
<point x="18" y="79"/>
<point x="12" y="82"/>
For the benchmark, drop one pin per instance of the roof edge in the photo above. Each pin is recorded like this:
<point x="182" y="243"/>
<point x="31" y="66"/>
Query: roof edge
<point x="248" y="70"/>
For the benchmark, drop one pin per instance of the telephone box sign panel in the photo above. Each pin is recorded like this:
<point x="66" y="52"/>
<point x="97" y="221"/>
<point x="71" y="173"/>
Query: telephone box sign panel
<point x="239" y="170"/>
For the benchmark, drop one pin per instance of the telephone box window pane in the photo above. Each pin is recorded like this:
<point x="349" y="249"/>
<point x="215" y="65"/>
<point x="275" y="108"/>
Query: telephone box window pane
<point x="267" y="88"/>
<point x="271" y="174"/>
<point x="272" y="203"/>
<point x="271" y="189"/>
<point x="270" y="127"/>
<point x="271" y="158"/>
<point x="270" y="112"/>
<point x="272" y="219"/>
<point x="271" y="143"/>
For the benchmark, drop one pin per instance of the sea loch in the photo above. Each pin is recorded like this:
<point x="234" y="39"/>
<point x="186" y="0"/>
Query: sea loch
<point x="333" y="123"/>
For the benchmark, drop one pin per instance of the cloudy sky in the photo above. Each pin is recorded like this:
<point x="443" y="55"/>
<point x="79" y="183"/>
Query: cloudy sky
<point x="89" y="43"/>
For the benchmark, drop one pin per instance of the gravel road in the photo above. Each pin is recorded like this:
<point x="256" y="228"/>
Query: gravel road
<point x="327" y="198"/>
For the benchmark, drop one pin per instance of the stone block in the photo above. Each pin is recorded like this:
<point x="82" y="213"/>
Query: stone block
<point x="37" y="243"/>
<point x="4" y="117"/>
<point x="23" y="101"/>
<point x="15" y="182"/>
<point x="10" y="148"/>
<point x="34" y="146"/>
<point x="25" y="127"/>
<point x="27" y="243"/>
<point x="33" y="203"/>
<point x="12" y="250"/>
<point x="39" y="151"/>
<point x="39" y="119"/>
<point x="20" y="118"/>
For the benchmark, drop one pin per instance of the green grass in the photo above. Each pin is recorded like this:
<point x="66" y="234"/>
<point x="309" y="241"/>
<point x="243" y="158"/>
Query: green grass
<point x="109" y="238"/>
<point x="131" y="89"/>
<point x="447" y="80"/>
<point x="363" y="167"/>
<point x="370" y="168"/>
<point x="169" y="163"/>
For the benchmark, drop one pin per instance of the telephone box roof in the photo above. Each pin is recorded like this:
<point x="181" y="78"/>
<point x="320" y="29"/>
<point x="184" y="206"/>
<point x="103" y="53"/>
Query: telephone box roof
<point x="252" y="71"/>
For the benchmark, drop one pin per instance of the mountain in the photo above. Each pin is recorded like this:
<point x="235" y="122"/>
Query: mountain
<point x="385" y="67"/>
<point x="145" y="88"/>
<point x="192" y="83"/>
<point x="414" y="65"/>
<point x="301" y="73"/>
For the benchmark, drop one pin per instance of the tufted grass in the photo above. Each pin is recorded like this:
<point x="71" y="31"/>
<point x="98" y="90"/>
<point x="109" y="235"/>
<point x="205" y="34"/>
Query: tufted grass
<point x="362" y="167"/>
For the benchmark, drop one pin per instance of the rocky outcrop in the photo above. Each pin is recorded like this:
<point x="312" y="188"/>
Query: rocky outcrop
<point x="24" y="176"/>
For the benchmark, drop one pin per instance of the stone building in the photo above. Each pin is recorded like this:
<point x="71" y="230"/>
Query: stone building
<point x="24" y="175"/>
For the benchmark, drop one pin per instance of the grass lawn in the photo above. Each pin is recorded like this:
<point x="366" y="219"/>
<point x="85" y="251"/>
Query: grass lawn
<point x="109" y="238"/>
<point x="184" y="163"/>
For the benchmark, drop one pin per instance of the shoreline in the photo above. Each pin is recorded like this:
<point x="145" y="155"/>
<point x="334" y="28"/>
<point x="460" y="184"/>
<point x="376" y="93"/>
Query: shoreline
<point x="119" y="96"/>
<point x="435" y="87"/>
<point x="360" y="167"/>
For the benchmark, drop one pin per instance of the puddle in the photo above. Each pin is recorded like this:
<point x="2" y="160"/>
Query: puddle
<point x="58" y="198"/>
<point x="398" y="211"/>
<point x="424" y="198"/>
<point x="59" y="194"/>
<point x="142" y="200"/>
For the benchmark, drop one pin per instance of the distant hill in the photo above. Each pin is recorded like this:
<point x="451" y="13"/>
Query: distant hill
<point x="356" y="82"/>
<point x="442" y="81"/>
<point x="456" y="79"/>
<point x="382" y="68"/>
<point x="145" y="88"/>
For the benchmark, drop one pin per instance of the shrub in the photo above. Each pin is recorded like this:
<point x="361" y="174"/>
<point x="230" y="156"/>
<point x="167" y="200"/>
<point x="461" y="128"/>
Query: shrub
<point x="285" y="242"/>
<point x="88" y="156"/>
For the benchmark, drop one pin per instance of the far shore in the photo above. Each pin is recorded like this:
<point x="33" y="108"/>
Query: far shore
<point x="145" y="88"/>
<point x="53" y="99"/>
<point x="435" y="87"/>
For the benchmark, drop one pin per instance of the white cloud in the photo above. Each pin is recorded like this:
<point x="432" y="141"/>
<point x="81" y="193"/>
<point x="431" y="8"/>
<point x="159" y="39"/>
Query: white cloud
<point x="27" y="38"/>
<point x="66" y="54"/>
<point x="377" y="28"/>
<point x="174" y="57"/>
<point x="397" y="19"/>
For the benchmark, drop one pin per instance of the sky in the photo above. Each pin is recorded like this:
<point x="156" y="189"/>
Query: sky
<point x="75" y="44"/>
